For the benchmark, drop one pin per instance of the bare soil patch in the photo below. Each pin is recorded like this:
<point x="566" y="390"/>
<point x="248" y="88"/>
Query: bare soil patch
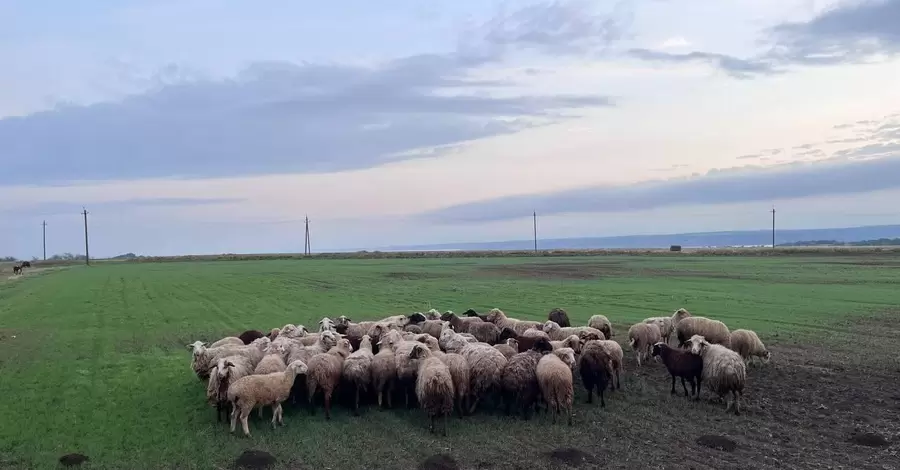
<point x="254" y="459"/>
<point x="576" y="271"/>
<point x="72" y="460"/>
<point x="717" y="442"/>
<point x="571" y="456"/>
<point x="414" y="276"/>
<point x="439" y="462"/>
<point x="869" y="439"/>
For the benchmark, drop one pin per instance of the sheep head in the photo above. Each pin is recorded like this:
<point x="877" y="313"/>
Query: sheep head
<point x="446" y="316"/>
<point x="298" y="367"/>
<point x="366" y="342"/>
<point x="767" y="357"/>
<point x="262" y="343"/>
<point x="326" y="324"/>
<point x="590" y="336"/>
<point x="697" y="344"/>
<point x="417" y="317"/>
<point x="508" y="333"/>
<point x="567" y="355"/>
<point x="679" y="315"/>
<point x="514" y="343"/>
<point x="419" y="352"/>
<point x="658" y="348"/>
<point x="470" y="313"/>
<point x="542" y="345"/>
<point x="495" y="315"/>
<point x="550" y="326"/>
<point x="343" y="320"/>
<point x="328" y="339"/>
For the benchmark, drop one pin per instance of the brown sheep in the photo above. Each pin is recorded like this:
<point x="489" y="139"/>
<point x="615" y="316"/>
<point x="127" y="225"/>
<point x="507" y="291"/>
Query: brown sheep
<point x="519" y="378"/>
<point x="641" y="338"/>
<point x="747" y="344"/>
<point x="554" y="375"/>
<point x="559" y="316"/>
<point x="434" y="385"/>
<point x="713" y="331"/>
<point x="324" y="373"/>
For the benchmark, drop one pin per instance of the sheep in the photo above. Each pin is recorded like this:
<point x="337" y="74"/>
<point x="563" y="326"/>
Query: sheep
<point x="713" y="331"/>
<point x="248" y="336"/>
<point x="462" y="377"/>
<point x="723" y="370"/>
<point x="433" y="314"/>
<point x="274" y="333"/>
<point x="534" y="332"/>
<point x="261" y="390"/>
<point x="326" y="324"/>
<point x="434" y="385"/>
<point x="293" y="331"/>
<point x="434" y="327"/>
<point x="641" y="337"/>
<point x="747" y="344"/>
<point x="601" y="323"/>
<point x="518" y="379"/>
<point x="509" y="349"/>
<point x="497" y="317"/>
<point x="573" y="341"/>
<point x="273" y="361"/>
<point x="558" y="333"/>
<point x="683" y="364"/>
<point x="325" y="373"/>
<point x="484" y="332"/>
<point x="524" y="343"/>
<point x="324" y="342"/>
<point x="679" y="315"/>
<point x="417" y="317"/>
<point x="665" y="325"/>
<point x="411" y="328"/>
<point x="618" y="359"/>
<point x="472" y="313"/>
<point x="407" y="367"/>
<point x="559" y="316"/>
<point x="452" y="341"/>
<point x="384" y="371"/>
<point x="204" y="358"/>
<point x="485" y="365"/>
<point x="358" y="370"/>
<point x="460" y="325"/>
<point x="595" y="365"/>
<point x="554" y="376"/>
<point x="228" y="340"/>
<point x="354" y="331"/>
<point x="222" y="375"/>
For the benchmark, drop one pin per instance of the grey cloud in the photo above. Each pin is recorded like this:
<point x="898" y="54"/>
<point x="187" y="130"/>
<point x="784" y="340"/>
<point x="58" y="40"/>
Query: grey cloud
<point x="56" y="208"/>
<point x="277" y="117"/>
<point x="851" y="32"/>
<point x="803" y="147"/>
<point x="733" y="66"/>
<point x="716" y="187"/>
<point x="749" y="157"/>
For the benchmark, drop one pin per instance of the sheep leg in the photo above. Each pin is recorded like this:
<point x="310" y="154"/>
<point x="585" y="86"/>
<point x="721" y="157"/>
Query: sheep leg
<point x="460" y="403"/>
<point x="274" y="415"/>
<point x="602" y="401"/>
<point x="380" y="394"/>
<point x="327" y="404"/>
<point x="684" y="386"/>
<point x="672" y="392"/>
<point x="431" y="426"/>
<point x="234" y="416"/>
<point x="445" y="425"/>
<point x="261" y="412"/>
<point x="356" y="403"/>
<point x="474" y="404"/>
<point x="737" y="406"/>
<point x="244" y="415"/>
<point x="699" y="379"/>
<point x="390" y="392"/>
<point x="590" y="390"/>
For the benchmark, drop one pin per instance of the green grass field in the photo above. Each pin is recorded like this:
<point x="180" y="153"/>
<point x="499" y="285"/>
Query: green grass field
<point x="93" y="359"/>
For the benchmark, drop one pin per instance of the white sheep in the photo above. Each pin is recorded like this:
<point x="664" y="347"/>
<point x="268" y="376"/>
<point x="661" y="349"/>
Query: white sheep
<point x="251" y="391"/>
<point x="232" y="340"/>
<point x="558" y="333"/>
<point x="665" y="325"/>
<point x="554" y="375"/>
<point x="641" y="338"/>
<point x="747" y="344"/>
<point x="723" y="370"/>
<point x="434" y="385"/>
<point x="357" y="370"/>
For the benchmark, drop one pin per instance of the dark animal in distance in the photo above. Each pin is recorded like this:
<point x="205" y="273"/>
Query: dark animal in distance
<point x="26" y="264"/>
<point x="17" y="269"/>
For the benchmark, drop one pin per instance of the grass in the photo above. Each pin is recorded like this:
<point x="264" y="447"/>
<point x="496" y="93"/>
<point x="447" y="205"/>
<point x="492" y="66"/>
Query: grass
<point x="92" y="359"/>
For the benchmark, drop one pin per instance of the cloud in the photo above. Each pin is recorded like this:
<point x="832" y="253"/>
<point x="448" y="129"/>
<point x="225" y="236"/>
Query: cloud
<point x="56" y="208"/>
<point x="675" y="42"/>
<point x="277" y="117"/>
<point x="854" y="31"/>
<point x="733" y="66"/>
<point x="717" y="187"/>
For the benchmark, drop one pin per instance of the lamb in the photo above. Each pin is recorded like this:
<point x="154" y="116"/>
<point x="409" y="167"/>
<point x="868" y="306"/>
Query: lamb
<point x="747" y="344"/>
<point x="601" y="323"/>
<point x="573" y="341"/>
<point x="683" y="364"/>
<point x="641" y="337"/>
<point x="618" y="359"/>
<point x="434" y="385"/>
<point x="226" y="372"/>
<point x="557" y="333"/>
<point x="559" y="316"/>
<point x="554" y="376"/>
<point x="460" y="325"/>
<point x="248" y="336"/>
<point x="325" y="373"/>
<point x="723" y="370"/>
<point x="524" y="342"/>
<point x="228" y="340"/>
<point x="713" y="331"/>
<point x="509" y="349"/>
<point x="485" y="365"/>
<point x="497" y="317"/>
<point x="262" y="390"/>
<point x="665" y="324"/>
<point x="595" y="365"/>
<point x="358" y="370"/>
<point x="518" y="378"/>
<point x="384" y="371"/>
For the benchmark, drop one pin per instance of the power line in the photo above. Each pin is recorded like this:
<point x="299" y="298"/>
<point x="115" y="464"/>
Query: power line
<point x="307" y="249"/>
<point x="44" y="226"/>
<point x="534" y="224"/>
<point x="773" y="227"/>
<point x="87" y="253"/>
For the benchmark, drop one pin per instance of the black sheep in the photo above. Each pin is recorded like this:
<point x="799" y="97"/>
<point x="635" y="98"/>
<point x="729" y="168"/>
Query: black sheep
<point x="681" y="363"/>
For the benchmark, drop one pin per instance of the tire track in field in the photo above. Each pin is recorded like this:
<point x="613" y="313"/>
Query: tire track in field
<point x="227" y="319"/>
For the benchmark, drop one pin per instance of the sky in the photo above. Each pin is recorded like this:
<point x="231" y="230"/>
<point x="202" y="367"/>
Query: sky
<point x="213" y="126"/>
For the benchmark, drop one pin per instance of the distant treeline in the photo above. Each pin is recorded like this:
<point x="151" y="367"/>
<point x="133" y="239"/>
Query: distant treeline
<point x="878" y="242"/>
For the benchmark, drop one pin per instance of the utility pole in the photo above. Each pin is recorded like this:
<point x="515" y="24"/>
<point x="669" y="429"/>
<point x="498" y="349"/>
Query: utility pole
<point x="44" y="225"/>
<point x="534" y="224"/>
<point x="87" y="253"/>
<point x="307" y="249"/>
<point x="773" y="227"/>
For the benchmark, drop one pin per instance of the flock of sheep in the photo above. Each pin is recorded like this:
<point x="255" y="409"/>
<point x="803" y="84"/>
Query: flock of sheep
<point x="446" y="362"/>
